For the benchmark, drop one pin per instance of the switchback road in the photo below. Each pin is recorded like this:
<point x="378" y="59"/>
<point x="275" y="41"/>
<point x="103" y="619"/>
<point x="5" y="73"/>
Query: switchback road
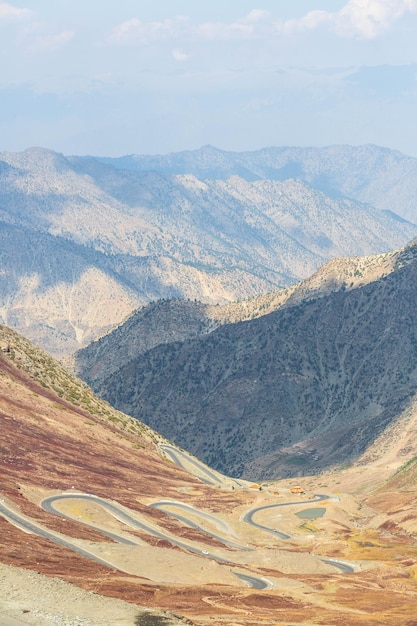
<point x="345" y="568"/>
<point x="179" y="457"/>
<point x="248" y="517"/>
<point x="167" y="505"/>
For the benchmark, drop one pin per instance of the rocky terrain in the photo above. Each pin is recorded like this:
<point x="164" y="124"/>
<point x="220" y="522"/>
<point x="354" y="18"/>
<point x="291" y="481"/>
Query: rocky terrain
<point x="84" y="243"/>
<point x="297" y="390"/>
<point x="59" y="440"/>
<point x="28" y="597"/>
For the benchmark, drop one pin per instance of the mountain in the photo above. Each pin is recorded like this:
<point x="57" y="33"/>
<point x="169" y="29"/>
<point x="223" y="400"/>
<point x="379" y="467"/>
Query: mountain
<point x="60" y="293"/>
<point x="162" y="322"/>
<point x="93" y="510"/>
<point x="384" y="178"/>
<point x="302" y="388"/>
<point x="84" y="243"/>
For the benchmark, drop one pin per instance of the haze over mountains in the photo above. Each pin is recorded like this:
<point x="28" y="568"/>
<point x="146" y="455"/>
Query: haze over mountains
<point x="308" y="381"/>
<point x="88" y="240"/>
<point x="381" y="177"/>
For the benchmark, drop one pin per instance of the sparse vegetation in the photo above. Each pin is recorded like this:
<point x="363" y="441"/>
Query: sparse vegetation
<point x="50" y="374"/>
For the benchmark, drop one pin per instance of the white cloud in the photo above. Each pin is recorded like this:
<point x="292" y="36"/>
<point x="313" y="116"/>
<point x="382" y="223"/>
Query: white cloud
<point x="134" y="30"/>
<point x="368" y="18"/>
<point x="180" y="27"/>
<point x="219" y="30"/>
<point x="10" y="13"/>
<point x="179" y="55"/>
<point x="363" y="19"/>
<point x="246" y="28"/>
<point x="256" y="15"/>
<point x="310" y="21"/>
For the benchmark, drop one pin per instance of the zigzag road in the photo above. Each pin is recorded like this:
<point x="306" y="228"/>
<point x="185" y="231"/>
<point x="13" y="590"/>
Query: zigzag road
<point x="176" y="455"/>
<point x="47" y="504"/>
<point x="182" y="459"/>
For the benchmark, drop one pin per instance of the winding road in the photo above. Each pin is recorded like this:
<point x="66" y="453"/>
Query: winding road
<point x="164" y="505"/>
<point x="118" y="512"/>
<point x="47" y="504"/>
<point x="344" y="567"/>
<point x="248" y="517"/>
<point x="37" y="529"/>
<point x="205" y="475"/>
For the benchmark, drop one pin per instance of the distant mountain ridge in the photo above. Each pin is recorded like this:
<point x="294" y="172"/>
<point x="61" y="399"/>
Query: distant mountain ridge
<point x="306" y="386"/>
<point x="384" y="178"/>
<point x="86" y="243"/>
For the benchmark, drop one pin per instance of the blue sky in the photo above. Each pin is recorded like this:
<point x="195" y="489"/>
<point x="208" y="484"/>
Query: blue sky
<point x="139" y="76"/>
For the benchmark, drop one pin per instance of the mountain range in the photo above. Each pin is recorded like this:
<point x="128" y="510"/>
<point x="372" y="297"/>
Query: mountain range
<point x="176" y="262"/>
<point x="383" y="178"/>
<point x="288" y="384"/>
<point x="85" y="241"/>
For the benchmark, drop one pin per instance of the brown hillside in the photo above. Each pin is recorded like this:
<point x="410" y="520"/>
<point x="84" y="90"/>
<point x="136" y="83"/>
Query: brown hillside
<point x="62" y="439"/>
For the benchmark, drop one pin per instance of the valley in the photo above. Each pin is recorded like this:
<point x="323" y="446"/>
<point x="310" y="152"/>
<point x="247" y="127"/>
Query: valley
<point x="229" y="436"/>
<point x="208" y="313"/>
<point x="289" y="384"/>
<point x="156" y="528"/>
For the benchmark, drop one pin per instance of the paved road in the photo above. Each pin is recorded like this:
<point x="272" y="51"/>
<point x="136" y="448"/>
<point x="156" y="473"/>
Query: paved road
<point x="345" y="568"/>
<point x="248" y="517"/>
<point x="204" y="474"/>
<point x="212" y="479"/>
<point x="164" y="505"/>
<point x="36" y="529"/>
<point x="318" y="497"/>
<point x="48" y="505"/>
<point x="118" y="513"/>
<point x="253" y="582"/>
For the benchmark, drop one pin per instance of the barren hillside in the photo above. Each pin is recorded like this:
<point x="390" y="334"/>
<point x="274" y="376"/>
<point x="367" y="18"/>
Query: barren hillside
<point x="180" y="548"/>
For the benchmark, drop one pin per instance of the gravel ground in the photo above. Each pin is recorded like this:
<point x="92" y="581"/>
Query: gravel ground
<point x="30" y="598"/>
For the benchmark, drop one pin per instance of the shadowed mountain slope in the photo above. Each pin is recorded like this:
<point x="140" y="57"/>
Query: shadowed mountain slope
<point x="305" y="387"/>
<point x="384" y="178"/>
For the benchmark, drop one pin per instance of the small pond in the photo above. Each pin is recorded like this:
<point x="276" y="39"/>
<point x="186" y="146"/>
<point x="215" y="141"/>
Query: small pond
<point x="311" y="513"/>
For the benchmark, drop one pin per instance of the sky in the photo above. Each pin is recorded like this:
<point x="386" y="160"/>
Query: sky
<point x="153" y="77"/>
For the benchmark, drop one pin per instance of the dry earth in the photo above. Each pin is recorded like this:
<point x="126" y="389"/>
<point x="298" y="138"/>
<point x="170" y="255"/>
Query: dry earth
<point x="28" y="597"/>
<point x="49" y="446"/>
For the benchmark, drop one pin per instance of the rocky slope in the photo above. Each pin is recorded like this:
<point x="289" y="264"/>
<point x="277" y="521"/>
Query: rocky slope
<point x="85" y="243"/>
<point x="307" y="386"/>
